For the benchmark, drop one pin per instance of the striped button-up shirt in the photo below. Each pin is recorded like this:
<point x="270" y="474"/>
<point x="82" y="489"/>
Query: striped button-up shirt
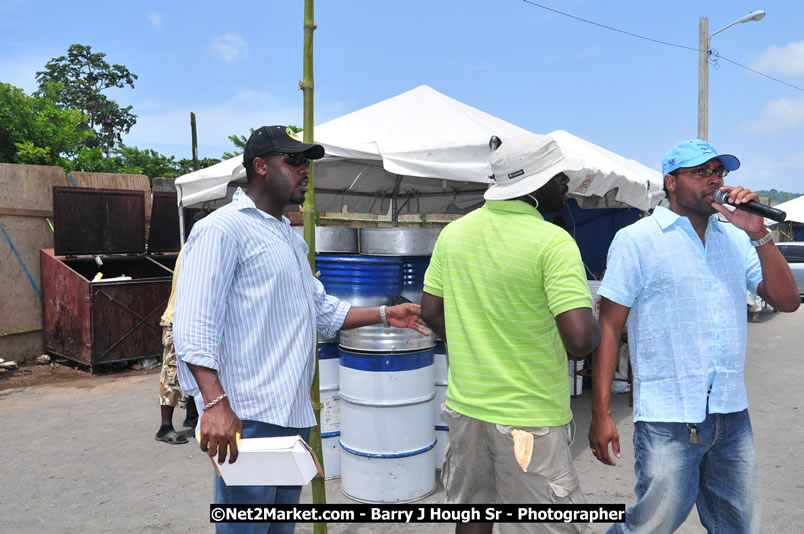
<point x="687" y="328"/>
<point x="247" y="306"/>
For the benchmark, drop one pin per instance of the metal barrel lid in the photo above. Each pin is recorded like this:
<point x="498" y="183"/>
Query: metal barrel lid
<point x="324" y="339"/>
<point x="340" y="239"/>
<point x="398" y="241"/>
<point x="377" y="338"/>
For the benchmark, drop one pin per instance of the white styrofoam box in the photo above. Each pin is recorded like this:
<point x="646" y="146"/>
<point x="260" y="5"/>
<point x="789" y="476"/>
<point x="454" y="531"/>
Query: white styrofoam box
<point x="280" y="461"/>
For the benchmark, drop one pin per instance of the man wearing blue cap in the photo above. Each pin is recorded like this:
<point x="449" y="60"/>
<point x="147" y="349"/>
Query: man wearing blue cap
<point x="679" y="279"/>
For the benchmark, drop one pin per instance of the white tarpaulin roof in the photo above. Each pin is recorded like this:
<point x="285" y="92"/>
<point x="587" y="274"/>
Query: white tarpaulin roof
<point x="794" y="209"/>
<point x="429" y="152"/>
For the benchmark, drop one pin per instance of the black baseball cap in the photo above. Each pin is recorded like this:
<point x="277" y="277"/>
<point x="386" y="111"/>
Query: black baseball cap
<point x="273" y="139"/>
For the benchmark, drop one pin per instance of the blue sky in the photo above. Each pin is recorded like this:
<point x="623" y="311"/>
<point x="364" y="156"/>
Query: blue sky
<point x="238" y="65"/>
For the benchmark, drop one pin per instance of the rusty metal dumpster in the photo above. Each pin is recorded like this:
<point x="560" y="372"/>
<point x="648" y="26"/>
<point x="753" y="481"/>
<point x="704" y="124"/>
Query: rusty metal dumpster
<point x="97" y="319"/>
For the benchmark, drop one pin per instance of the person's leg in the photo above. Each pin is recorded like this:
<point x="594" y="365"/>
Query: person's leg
<point x="169" y="392"/>
<point x="667" y="467"/>
<point x="259" y="495"/>
<point x="468" y="470"/>
<point x="191" y="417"/>
<point x="729" y="499"/>
<point x="550" y="477"/>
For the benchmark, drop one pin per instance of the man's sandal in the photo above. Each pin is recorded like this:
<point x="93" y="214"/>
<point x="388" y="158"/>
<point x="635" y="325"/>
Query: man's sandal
<point x="172" y="438"/>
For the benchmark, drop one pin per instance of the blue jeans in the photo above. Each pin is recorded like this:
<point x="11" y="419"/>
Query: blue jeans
<point x="259" y="494"/>
<point x="720" y="475"/>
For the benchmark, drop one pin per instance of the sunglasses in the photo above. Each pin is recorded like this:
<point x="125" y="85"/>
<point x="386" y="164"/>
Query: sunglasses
<point x="706" y="172"/>
<point x="294" y="160"/>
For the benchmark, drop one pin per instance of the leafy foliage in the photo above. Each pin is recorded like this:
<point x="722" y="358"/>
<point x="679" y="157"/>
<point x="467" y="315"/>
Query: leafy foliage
<point x="777" y="197"/>
<point x="239" y="141"/>
<point x="78" y="80"/>
<point x="37" y="131"/>
<point x="132" y="160"/>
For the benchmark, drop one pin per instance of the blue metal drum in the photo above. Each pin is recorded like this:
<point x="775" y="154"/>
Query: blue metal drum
<point x="360" y="280"/>
<point x="413" y="269"/>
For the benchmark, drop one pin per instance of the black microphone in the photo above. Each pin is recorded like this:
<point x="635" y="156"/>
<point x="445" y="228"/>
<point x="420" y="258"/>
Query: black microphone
<point x="752" y="206"/>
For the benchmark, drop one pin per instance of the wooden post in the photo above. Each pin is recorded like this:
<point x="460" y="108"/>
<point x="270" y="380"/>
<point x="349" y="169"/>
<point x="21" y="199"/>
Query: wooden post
<point x="319" y="486"/>
<point x="195" y="141"/>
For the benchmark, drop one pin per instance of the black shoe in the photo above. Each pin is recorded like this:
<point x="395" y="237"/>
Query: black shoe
<point x="190" y="421"/>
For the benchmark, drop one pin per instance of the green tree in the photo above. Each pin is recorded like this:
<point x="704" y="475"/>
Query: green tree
<point x="239" y="141"/>
<point x="185" y="166"/>
<point x="78" y="80"/>
<point x="37" y="131"/>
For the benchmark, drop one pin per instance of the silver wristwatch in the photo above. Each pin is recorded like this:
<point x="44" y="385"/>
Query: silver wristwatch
<point x="759" y="242"/>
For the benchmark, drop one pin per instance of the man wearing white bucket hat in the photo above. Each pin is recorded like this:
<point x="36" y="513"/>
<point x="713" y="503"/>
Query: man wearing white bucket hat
<point x="507" y="291"/>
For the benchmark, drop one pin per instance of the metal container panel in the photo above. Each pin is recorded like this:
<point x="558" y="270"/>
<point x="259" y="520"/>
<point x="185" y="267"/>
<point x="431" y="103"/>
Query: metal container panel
<point x="333" y="239"/>
<point x="360" y="280"/>
<point x="125" y="319"/>
<point x="163" y="235"/>
<point x="98" y="221"/>
<point x="377" y="338"/>
<point x="398" y="241"/>
<point x="66" y="310"/>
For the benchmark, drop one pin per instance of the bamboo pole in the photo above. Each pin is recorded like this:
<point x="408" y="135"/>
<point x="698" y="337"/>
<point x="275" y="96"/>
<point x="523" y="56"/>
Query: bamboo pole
<point x="319" y="487"/>
<point x="195" y="141"/>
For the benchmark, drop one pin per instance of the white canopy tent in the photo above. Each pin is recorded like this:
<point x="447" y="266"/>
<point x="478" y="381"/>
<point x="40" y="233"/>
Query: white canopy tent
<point x="794" y="209"/>
<point x="428" y="153"/>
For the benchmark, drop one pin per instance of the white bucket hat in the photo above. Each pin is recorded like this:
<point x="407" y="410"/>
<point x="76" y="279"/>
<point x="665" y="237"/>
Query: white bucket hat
<point x="523" y="164"/>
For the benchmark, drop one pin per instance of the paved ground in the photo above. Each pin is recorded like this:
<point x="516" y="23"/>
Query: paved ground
<point x="80" y="456"/>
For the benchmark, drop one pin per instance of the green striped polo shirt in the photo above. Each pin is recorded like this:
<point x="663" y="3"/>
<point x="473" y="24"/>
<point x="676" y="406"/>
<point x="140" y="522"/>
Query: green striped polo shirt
<point x="505" y="274"/>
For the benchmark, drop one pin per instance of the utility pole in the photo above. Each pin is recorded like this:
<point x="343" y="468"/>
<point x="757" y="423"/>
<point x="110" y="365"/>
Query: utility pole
<point x="703" y="79"/>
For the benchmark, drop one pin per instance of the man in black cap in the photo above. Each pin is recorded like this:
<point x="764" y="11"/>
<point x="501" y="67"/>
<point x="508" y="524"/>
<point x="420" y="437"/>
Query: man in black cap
<point x="247" y="311"/>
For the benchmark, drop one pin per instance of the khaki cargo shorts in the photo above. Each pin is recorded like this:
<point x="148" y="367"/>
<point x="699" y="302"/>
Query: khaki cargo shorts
<point x="480" y="468"/>
<point x="170" y="393"/>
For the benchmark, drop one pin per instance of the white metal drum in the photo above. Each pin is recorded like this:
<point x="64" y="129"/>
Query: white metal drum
<point x="441" y="421"/>
<point x="387" y="425"/>
<point x="328" y="386"/>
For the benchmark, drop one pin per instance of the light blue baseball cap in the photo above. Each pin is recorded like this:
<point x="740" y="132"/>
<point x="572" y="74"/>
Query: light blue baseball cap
<point x="695" y="152"/>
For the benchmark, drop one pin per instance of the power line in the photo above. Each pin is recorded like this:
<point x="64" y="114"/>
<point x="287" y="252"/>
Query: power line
<point x="760" y="73"/>
<point x="716" y="56"/>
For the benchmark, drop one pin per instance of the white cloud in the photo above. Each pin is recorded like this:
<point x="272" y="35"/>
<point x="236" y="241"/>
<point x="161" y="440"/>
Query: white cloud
<point x="779" y="115"/>
<point x="168" y="130"/>
<point x="788" y="59"/>
<point x="230" y="47"/>
<point x="156" y="21"/>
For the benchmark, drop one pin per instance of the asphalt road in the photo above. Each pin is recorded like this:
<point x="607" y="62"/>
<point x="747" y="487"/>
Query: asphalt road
<point x="81" y="456"/>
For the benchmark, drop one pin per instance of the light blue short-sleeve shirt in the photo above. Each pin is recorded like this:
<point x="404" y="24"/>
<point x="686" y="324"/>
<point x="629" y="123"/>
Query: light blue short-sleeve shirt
<point x="687" y="328"/>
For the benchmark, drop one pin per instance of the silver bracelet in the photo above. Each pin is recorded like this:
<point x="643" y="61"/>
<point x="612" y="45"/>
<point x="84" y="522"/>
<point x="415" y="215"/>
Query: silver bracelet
<point x="216" y="401"/>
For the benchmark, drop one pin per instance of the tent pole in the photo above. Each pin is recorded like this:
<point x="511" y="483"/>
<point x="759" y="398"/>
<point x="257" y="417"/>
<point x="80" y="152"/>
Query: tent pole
<point x="319" y="487"/>
<point x="181" y="226"/>
<point x="395" y="202"/>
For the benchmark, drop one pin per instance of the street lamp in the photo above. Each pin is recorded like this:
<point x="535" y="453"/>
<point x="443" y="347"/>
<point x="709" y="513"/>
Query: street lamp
<point x="703" y="67"/>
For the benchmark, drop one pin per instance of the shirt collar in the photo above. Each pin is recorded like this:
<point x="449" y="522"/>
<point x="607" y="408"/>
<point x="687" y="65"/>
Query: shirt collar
<point x="513" y="206"/>
<point x="241" y="201"/>
<point x="666" y="218"/>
